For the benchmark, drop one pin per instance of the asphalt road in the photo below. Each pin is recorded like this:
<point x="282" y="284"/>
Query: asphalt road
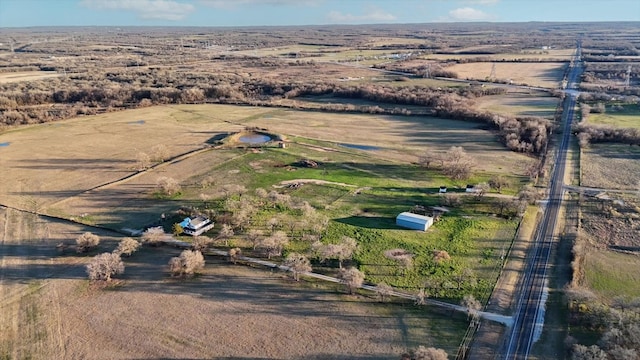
<point x="529" y="315"/>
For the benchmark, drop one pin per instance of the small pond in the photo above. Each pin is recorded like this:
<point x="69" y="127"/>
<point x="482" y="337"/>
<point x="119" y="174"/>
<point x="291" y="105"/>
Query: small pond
<point x="360" y="147"/>
<point x="5" y="144"/>
<point x="254" y="138"/>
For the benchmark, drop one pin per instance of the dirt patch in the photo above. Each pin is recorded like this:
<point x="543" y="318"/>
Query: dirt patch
<point x="311" y="181"/>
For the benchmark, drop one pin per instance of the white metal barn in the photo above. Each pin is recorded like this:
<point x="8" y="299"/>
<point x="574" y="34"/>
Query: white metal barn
<point x="414" y="221"/>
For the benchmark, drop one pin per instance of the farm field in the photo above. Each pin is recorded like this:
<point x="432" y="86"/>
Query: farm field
<point x="519" y="103"/>
<point x="610" y="166"/>
<point x="628" y="116"/>
<point x="543" y="55"/>
<point x="548" y="75"/>
<point x="390" y="182"/>
<point x="50" y="310"/>
<point x="26" y="76"/>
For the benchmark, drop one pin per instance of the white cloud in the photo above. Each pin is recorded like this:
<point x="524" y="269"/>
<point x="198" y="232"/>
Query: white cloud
<point x="482" y="2"/>
<point x="145" y="9"/>
<point x="469" y="14"/>
<point x="229" y="4"/>
<point x="374" y="15"/>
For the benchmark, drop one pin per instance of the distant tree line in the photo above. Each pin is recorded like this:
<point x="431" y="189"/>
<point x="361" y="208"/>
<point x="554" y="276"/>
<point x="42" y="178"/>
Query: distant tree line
<point x="25" y="103"/>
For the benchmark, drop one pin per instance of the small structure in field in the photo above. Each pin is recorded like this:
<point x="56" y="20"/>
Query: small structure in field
<point x="471" y="189"/>
<point x="282" y="145"/>
<point x="414" y="221"/>
<point x="443" y="189"/>
<point x="196" y="226"/>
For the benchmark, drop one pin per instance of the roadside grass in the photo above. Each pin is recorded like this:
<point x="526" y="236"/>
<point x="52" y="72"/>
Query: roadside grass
<point x="626" y="117"/>
<point x="610" y="166"/>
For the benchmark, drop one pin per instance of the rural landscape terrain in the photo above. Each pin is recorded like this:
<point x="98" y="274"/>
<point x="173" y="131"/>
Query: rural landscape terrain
<point x="301" y="145"/>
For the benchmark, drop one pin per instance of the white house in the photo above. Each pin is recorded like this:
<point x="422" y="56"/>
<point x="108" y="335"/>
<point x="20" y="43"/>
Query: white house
<point x="414" y="221"/>
<point x="196" y="226"/>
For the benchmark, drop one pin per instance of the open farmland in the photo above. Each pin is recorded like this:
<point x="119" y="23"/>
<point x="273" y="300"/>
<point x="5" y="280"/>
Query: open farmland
<point x="520" y="103"/>
<point x="548" y="75"/>
<point x="623" y="116"/>
<point x="26" y="76"/>
<point x="117" y="195"/>
<point x="49" y="310"/>
<point x="610" y="166"/>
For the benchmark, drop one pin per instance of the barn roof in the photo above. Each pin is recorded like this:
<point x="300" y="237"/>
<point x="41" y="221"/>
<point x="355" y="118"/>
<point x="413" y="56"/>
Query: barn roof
<point x="421" y="219"/>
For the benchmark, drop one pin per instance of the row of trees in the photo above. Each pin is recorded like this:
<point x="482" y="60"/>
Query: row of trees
<point x="590" y="133"/>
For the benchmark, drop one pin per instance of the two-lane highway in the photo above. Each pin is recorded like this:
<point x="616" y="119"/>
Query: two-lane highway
<point x="529" y="315"/>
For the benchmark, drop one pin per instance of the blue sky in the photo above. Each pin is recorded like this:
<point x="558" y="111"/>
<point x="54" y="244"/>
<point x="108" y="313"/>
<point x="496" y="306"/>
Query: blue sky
<point x="18" y="13"/>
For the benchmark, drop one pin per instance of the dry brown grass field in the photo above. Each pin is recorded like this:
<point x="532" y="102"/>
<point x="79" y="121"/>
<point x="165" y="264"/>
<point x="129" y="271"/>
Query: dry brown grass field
<point x="50" y="311"/>
<point x="546" y="75"/>
<point x="51" y="162"/>
<point x="546" y="55"/>
<point x="610" y="166"/>
<point x="26" y="76"/>
<point x="520" y="103"/>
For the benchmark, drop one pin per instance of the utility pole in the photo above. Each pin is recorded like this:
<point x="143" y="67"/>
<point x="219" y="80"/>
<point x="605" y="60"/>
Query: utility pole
<point x="493" y="71"/>
<point x="627" y="80"/>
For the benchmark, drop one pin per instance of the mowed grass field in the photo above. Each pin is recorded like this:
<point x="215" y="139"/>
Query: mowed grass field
<point x="26" y="76"/>
<point x="548" y="75"/>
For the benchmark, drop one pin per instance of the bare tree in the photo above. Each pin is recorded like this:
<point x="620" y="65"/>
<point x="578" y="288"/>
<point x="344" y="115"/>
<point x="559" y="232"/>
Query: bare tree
<point x="429" y="353"/>
<point x="234" y="253"/>
<point x="383" y="290"/>
<point x="254" y="236"/>
<point x="481" y="189"/>
<point x="160" y="152"/>
<point x="498" y="182"/>
<point x="86" y="242"/>
<point x="187" y="263"/>
<point x="428" y="158"/>
<point x="352" y="278"/>
<point x="201" y="243"/>
<point x="297" y="263"/>
<point x="104" y="266"/>
<point x="143" y="161"/>
<point x="581" y="352"/>
<point x="226" y="232"/>
<point x="274" y="244"/>
<point x="472" y="305"/>
<point x="168" y="186"/>
<point x="458" y="163"/>
<point x="346" y="248"/>
<point x="402" y="257"/>
<point x="127" y="246"/>
<point x="154" y="236"/>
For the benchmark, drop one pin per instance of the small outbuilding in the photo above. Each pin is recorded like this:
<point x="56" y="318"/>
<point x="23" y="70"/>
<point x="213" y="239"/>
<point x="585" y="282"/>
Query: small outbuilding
<point x="443" y="189"/>
<point x="414" y="221"/>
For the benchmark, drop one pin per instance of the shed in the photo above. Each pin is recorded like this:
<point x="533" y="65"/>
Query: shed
<point x="471" y="189"/>
<point x="443" y="189"/>
<point x="414" y="221"/>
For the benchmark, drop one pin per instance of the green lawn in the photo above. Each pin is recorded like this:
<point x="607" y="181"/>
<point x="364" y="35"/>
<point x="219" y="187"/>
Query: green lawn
<point x="628" y="116"/>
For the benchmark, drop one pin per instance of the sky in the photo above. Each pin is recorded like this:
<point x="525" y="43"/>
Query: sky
<point x="23" y="13"/>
